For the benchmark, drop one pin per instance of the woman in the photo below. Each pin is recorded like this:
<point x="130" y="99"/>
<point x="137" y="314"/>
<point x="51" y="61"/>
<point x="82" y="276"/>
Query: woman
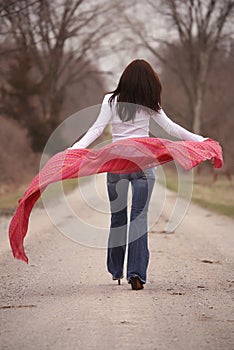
<point x="129" y="108"/>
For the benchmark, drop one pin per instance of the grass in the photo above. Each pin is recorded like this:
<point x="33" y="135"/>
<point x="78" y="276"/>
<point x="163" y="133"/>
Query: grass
<point x="9" y="201"/>
<point x="216" y="196"/>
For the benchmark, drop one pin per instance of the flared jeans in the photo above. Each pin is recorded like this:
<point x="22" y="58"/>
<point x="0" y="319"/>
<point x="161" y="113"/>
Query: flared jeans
<point x="136" y="237"/>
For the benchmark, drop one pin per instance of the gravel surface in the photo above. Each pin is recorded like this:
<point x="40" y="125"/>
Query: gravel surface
<point x="65" y="299"/>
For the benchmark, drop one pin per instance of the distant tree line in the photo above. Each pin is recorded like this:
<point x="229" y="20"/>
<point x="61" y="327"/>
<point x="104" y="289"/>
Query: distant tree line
<point x="46" y="46"/>
<point x="194" y="57"/>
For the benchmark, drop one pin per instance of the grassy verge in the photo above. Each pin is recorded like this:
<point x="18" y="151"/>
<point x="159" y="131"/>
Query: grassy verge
<point x="216" y="196"/>
<point x="9" y="201"/>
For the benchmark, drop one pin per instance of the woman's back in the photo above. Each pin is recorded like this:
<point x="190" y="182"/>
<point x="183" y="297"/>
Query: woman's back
<point x="139" y="127"/>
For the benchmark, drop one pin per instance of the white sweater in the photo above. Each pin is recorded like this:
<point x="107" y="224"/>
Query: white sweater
<point x="137" y="128"/>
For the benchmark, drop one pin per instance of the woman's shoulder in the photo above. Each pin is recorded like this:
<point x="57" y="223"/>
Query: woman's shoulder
<point x="157" y="114"/>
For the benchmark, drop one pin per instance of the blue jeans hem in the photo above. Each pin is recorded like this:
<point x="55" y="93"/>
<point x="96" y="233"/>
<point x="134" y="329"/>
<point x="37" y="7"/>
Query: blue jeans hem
<point x="135" y="275"/>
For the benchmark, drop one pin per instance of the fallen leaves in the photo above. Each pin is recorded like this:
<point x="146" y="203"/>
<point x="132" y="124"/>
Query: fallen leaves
<point x="208" y="261"/>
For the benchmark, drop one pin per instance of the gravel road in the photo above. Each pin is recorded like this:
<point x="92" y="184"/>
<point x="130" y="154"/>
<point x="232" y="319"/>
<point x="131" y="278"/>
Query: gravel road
<point x="65" y="299"/>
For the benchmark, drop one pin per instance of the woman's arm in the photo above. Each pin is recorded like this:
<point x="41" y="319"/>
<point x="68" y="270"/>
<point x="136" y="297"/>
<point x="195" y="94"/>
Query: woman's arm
<point x="97" y="128"/>
<point x="174" y="129"/>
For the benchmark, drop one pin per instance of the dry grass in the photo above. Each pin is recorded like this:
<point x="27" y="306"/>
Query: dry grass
<point x="9" y="201"/>
<point x="217" y="196"/>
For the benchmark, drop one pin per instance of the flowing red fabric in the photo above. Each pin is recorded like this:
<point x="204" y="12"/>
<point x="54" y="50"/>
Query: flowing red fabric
<point x="123" y="156"/>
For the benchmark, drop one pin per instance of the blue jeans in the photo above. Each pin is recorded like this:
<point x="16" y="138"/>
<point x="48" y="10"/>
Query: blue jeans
<point x="142" y="183"/>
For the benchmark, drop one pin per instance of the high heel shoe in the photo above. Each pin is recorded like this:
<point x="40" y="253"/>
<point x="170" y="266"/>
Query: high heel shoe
<point x="117" y="279"/>
<point x="136" y="283"/>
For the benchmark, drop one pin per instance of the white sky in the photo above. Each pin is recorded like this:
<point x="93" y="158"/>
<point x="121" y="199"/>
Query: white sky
<point x="121" y="54"/>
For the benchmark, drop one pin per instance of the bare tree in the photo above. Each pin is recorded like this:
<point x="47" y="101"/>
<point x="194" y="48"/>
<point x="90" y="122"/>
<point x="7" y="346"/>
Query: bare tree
<point x="57" y="38"/>
<point x="198" y="27"/>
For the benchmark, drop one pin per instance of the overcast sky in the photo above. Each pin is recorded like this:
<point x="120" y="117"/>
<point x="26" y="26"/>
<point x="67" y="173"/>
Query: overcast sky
<point x="120" y="53"/>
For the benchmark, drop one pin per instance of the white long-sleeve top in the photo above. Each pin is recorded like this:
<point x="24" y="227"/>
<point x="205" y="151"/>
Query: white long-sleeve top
<point x="137" y="128"/>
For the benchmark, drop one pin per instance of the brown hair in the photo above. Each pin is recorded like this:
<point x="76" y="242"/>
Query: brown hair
<point x="139" y="86"/>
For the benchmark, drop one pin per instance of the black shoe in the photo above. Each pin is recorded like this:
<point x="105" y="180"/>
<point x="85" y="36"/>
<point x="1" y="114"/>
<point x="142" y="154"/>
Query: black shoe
<point x="117" y="279"/>
<point x="136" y="283"/>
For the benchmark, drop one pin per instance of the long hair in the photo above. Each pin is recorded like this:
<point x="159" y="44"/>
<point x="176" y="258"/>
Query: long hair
<point x="139" y="86"/>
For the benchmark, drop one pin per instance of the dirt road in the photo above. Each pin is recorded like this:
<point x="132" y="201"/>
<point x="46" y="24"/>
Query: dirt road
<point x="65" y="299"/>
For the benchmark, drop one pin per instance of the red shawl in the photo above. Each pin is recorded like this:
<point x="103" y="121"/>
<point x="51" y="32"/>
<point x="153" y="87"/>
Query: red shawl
<point x="123" y="156"/>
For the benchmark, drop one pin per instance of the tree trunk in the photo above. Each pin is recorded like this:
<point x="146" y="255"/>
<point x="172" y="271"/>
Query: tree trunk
<point x="200" y="87"/>
<point x="197" y="119"/>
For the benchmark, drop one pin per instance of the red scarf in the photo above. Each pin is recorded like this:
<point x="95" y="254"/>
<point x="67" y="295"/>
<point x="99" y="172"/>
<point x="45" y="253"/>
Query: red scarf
<point x="123" y="156"/>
